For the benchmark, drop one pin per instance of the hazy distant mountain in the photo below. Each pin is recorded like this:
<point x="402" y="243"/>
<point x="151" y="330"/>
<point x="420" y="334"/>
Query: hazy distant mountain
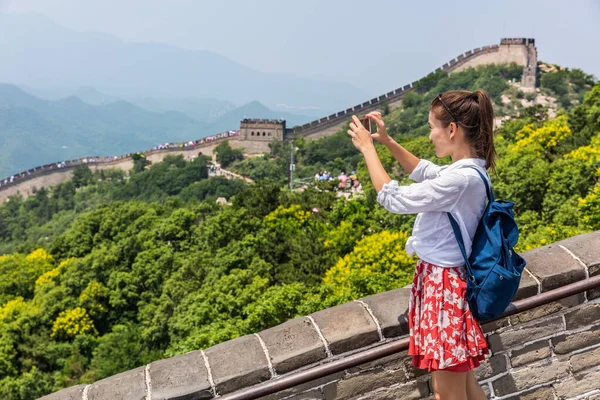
<point x="205" y="110"/>
<point x="255" y="109"/>
<point x="35" y="131"/>
<point x="39" y="53"/>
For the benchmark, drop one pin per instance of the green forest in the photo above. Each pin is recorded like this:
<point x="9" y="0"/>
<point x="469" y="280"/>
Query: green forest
<point x="113" y="270"/>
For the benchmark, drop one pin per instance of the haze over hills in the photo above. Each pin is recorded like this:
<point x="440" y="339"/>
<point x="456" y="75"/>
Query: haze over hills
<point x="34" y="131"/>
<point x="126" y="70"/>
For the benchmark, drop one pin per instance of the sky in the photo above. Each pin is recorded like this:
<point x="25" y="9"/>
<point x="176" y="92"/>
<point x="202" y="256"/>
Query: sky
<point x="376" y="45"/>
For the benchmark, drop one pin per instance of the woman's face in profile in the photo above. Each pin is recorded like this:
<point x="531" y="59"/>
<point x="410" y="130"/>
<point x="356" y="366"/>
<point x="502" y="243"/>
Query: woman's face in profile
<point x="440" y="136"/>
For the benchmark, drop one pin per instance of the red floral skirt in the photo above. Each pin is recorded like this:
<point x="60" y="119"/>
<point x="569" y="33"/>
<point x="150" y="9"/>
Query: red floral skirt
<point x="444" y="335"/>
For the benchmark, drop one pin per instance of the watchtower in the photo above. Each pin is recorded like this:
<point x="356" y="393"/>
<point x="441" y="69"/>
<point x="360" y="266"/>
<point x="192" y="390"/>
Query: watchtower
<point x="262" y="129"/>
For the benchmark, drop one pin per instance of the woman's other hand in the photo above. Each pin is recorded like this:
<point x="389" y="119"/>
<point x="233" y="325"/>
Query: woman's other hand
<point x="381" y="136"/>
<point x="361" y="138"/>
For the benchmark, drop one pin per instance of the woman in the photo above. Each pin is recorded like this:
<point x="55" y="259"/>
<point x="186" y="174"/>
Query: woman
<point x="445" y="339"/>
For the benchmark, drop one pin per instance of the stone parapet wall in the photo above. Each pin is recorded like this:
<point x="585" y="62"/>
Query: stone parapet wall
<point x="550" y="352"/>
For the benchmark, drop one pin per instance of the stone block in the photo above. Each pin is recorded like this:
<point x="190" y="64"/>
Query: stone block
<point x="346" y="327"/>
<point x="293" y="344"/>
<point x="530" y="353"/>
<point x="391" y="311"/>
<point x="547" y="309"/>
<point x="524" y="333"/>
<point x="408" y="391"/>
<point x="365" y="382"/>
<point x="594" y="270"/>
<point x="567" y="343"/>
<point x="585" y="360"/>
<point x="307" y="387"/>
<point x="237" y="363"/>
<point x="494" y="365"/>
<point x="528" y="287"/>
<point x="578" y="384"/>
<point x="489" y="327"/>
<point x="71" y="393"/>
<point x="584" y="316"/>
<point x="553" y="266"/>
<point x="183" y="377"/>
<point x="129" y="385"/>
<point x="586" y="247"/>
<point x="542" y="393"/>
<point x="533" y="375"/>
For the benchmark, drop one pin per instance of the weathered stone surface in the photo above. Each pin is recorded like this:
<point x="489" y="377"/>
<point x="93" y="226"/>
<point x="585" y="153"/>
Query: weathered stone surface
<point x="585" y="360"/>
<point x="584" y="316"/>
<point x="566" y="343"/>
<point x="129" y="385"/>
<point x="293" y="344"/>
<point x="553" y="266"/>
<point x="492" y="366"/>
<point x="594" y="293"/>
<point x="71" y="393"/>
<point x="298" y="390"/>
<point x="524" y="333"/>
<point x="586" y="247"/>
<point x="368" y="381"/>
<point x="183" y="377"/>
<point x="542" y="393"/>
<point x="408" y="391"/>
<point x="237" y="363"/>
<point x="537" y="374"/>
<point x="346" y="327"/>
<point x="391" y="310"/>
<point x="495" y="325"/>
<point x="578" y="384"/>
<point x="547" y="309"/>
<point x="528" y="287"/>
<point x="530" y="353"/>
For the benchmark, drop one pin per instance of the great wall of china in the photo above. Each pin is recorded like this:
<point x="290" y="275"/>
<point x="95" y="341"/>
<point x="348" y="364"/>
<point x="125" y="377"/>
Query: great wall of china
<point x="255" y="135"/>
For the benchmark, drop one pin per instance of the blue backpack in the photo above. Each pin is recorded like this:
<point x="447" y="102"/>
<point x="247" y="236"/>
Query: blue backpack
<point x="493" y="269"/>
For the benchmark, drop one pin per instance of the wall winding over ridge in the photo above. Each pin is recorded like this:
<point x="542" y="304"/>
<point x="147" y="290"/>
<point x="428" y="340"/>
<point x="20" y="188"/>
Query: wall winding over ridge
<point x="550" y="352"/>
<point x="521" y="51"/>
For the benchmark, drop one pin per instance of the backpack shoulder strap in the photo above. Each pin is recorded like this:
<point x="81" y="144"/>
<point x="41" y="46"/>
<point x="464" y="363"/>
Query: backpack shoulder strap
<point x="461" y="244"/>
<point x="488" y="189"/>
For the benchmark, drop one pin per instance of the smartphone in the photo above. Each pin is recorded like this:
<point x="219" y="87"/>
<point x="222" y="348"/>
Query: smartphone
<point x="368" y="124"/>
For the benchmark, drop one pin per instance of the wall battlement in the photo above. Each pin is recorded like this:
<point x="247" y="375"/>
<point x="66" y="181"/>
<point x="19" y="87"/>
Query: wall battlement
<point x="552" y="351"/>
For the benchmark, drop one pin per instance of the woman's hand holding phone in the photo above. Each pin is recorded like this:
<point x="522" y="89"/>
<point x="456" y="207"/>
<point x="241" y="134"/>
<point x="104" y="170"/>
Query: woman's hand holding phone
<point x="381" y="135"/>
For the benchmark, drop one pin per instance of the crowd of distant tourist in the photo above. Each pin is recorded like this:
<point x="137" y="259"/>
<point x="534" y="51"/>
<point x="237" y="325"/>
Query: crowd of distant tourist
<point x="345" y="182"/>
<point x="104" y="159"/>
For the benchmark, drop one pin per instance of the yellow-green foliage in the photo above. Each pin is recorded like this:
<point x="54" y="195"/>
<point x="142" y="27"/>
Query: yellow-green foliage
<point x="547" y="136"/>
<point x="52" y="275"/>
<point x="590" y="154"/>
<point x="378" y="262"/>
<point x="12" y="309"/>
<point x="92" y="296"/>
<point x="71" y="323"/>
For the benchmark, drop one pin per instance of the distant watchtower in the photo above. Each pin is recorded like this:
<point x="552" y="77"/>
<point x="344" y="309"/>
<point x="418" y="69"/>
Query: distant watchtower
<point x="523" y="51"/>
<point x="262" y="129"/>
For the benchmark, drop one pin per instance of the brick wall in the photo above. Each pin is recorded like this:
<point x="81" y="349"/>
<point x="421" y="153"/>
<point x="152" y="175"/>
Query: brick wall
<point x="550" y="352"/>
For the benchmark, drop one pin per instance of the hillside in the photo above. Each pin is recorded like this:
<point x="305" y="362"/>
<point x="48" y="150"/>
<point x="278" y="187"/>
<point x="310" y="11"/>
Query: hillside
<point x="105" y="273"/>
<point x="126" y="70"/>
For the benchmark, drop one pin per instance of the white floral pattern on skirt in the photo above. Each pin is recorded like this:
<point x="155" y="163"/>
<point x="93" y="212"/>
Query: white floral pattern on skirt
<point x="443" y="332"/>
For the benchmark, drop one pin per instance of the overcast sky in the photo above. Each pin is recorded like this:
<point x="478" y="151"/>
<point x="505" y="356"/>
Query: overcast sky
<point x="376" y="45"/>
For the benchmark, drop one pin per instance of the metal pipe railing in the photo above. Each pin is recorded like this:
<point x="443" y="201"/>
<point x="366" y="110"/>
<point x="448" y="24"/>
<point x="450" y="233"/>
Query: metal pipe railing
<point x="395" y="346"/>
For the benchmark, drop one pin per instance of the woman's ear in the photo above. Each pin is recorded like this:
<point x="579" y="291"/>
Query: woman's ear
<point x="452" y="129"/>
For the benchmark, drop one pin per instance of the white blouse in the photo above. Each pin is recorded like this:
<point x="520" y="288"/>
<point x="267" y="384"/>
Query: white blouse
<point x="453" y="188"/>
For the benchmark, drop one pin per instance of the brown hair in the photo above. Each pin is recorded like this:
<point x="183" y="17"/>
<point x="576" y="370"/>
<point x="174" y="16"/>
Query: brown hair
<point x="474" y="113"/>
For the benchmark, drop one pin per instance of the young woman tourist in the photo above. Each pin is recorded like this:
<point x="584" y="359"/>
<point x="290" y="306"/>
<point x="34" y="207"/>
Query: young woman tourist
<point x="445" y="339"/>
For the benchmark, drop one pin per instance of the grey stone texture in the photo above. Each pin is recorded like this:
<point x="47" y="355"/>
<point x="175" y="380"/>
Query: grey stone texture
<point x="553" y="266"/>
<point x="184" y="378"/>
<point x="346" y="327"/>
<point x="293" y="344"/>
<point x="524" y="333"/>
<point x="530" y="353"/>
<point x="130" y="385"/>
<point x="237" y="363"/>
<point x="567" y="343"/>
<point x="391" y="310"/>
<point x="534" y="375"/>
<point x="71" y="393"/>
